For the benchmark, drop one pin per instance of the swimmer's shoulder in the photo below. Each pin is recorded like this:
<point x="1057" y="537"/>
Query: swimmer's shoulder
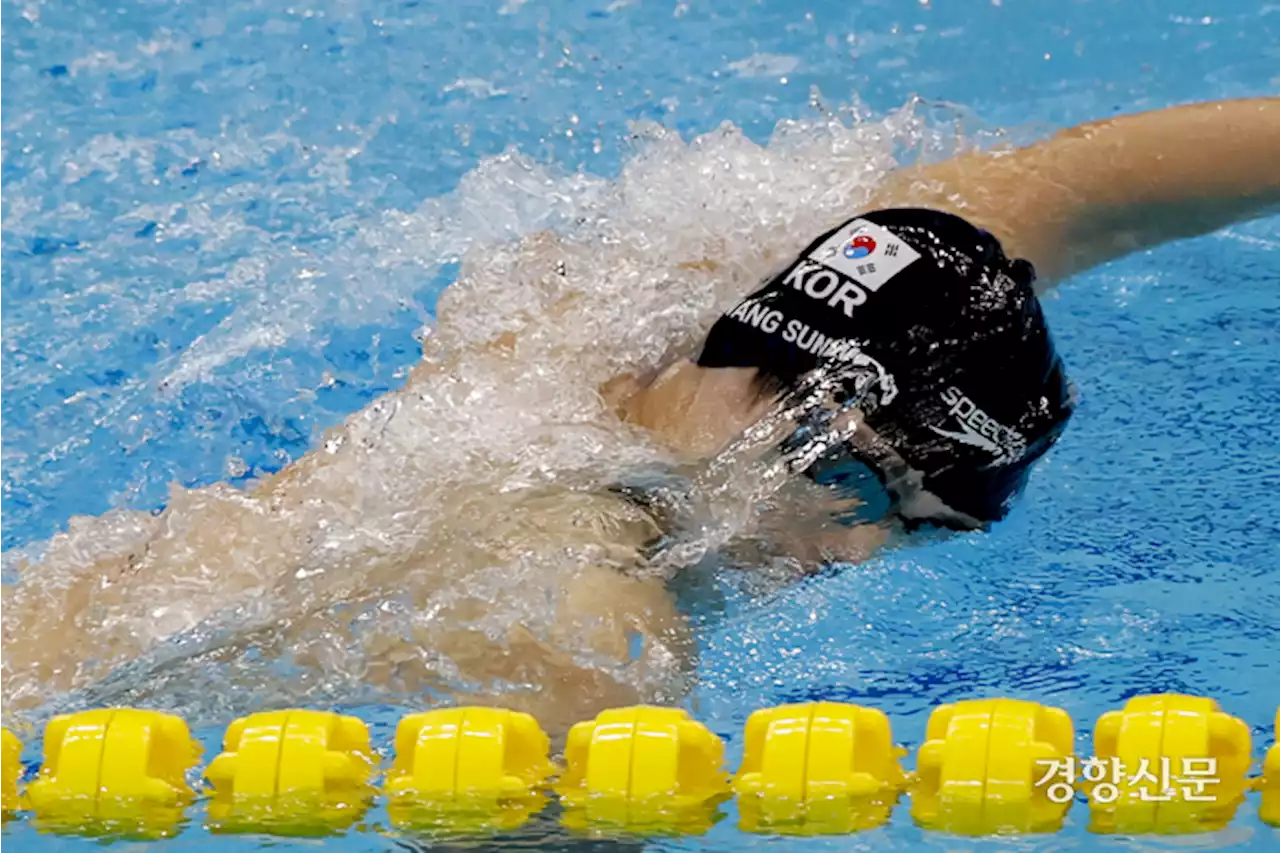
<point x="607" y="526"/>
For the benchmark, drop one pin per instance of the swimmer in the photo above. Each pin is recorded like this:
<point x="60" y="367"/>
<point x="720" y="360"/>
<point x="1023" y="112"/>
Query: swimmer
<point x="900" y="360"/>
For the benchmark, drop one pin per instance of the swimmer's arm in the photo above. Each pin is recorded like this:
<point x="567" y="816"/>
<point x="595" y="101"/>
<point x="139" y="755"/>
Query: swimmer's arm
<point x="280" y="485"/>
<point x="337" y="440"/>
<point x="1102" y="190"/>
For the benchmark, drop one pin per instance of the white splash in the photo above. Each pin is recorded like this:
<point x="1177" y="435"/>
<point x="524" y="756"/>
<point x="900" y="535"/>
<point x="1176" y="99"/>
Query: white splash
<point x="405" y="520"/>
<point x="765" y="65"/>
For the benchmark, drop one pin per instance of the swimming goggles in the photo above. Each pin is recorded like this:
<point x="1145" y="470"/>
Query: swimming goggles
<point x="834" y="446"/>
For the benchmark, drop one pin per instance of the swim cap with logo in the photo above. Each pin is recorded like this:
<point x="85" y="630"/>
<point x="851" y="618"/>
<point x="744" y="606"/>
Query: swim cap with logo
<point x="944" y="338"/>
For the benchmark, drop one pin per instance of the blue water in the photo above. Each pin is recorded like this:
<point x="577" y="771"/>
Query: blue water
<point x="172" y="172"/>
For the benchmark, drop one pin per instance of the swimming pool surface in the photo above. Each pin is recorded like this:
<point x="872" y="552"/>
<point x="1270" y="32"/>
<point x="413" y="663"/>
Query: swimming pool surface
<point x="224" y="227"/>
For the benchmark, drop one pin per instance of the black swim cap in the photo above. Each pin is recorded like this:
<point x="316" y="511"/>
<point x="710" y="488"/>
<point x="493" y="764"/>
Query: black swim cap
<point x="968" y="388"/>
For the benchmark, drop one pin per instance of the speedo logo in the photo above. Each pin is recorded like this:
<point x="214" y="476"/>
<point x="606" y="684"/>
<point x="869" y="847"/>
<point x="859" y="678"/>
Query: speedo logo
<point x="978" y="429"/>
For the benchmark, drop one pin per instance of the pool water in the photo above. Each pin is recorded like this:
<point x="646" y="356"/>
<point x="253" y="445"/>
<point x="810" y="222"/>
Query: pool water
<point x="226" y="229"/>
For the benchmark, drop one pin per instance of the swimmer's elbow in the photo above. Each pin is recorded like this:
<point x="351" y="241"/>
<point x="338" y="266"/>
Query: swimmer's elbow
<point x="1102" y="190"/>
<point x="1136" y="181"/>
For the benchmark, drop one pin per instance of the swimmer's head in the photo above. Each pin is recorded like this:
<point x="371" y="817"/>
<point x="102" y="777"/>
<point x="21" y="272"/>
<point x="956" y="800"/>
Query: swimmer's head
<point x="920" y="321"/>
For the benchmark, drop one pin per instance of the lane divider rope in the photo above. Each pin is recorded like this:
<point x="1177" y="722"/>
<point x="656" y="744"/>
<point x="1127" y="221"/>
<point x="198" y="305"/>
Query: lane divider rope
<point x="1166" y="763"/>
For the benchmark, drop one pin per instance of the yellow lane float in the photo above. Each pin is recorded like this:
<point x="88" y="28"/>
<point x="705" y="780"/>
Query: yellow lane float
<point x="817" y="768"/>
<point x="467" y="770"/>
<point x="645" y="770"/>
<point x="10" y="771"/>
<point x="1167" y="764"/>
<point x="1163" y="764"/>
<point x="986" y="764"/>
<point x="114" y="772"/>
<point x="292" y="772"/>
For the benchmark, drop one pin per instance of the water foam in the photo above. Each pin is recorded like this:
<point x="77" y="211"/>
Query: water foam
<point x="409" y="515"/>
